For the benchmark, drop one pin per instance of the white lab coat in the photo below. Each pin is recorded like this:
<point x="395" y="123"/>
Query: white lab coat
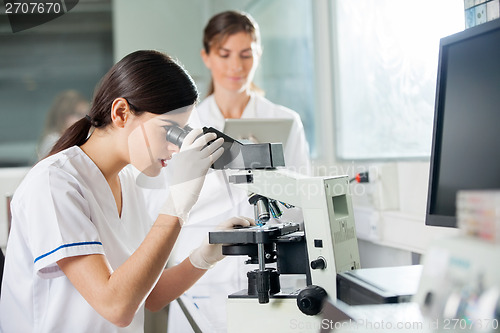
<point x="64" y="208"/>
<point x="219" y="201"/>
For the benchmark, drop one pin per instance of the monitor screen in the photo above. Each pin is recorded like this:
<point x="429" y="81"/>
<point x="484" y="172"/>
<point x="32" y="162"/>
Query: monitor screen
<point x="466" y="138"/>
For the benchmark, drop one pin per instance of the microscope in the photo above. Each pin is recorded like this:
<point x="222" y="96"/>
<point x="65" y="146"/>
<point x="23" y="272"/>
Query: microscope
<point x="318" y="248"/>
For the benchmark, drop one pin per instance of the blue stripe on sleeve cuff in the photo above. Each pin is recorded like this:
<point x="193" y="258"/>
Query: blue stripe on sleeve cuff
<point x="66" y="245"/>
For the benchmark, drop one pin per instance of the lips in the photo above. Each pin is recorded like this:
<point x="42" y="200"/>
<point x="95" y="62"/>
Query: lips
<point x="163" y="162"/>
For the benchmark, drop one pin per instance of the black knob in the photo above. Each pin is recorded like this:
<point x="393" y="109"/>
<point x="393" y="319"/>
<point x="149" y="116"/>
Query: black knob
<point x="319" y="263"/>
<point x="310" y="300"/>
<point x="263" y="286"/>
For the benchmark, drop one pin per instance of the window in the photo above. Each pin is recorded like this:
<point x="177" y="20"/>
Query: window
<point x="386" y="54"/>
<point x="286" y="71"/>
<point x="70" y="52"/>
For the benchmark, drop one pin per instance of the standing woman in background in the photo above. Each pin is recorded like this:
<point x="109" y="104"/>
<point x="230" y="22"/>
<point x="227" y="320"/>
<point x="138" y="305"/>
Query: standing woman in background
<point x="82" y="255"/>
<point x="231" y="51"/>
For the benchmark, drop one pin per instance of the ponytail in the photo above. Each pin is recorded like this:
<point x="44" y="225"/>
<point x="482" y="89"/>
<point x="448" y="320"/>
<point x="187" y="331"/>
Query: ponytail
<point x="76" y="135"/>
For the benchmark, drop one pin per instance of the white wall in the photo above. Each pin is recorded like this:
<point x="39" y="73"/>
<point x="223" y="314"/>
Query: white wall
<point x="391" y="209"/>
<point x="161" y="25"/>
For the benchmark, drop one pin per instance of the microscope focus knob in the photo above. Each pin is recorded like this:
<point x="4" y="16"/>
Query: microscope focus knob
<point x="319" y="263"/>
<point x="310" y="300"/>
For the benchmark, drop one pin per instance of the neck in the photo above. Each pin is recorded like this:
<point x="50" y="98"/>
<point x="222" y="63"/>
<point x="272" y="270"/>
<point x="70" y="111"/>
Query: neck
<point x="231" y="104"/>
<point x="102" y="150"/>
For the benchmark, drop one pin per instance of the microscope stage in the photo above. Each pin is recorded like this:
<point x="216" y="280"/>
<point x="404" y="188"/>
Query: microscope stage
<point x="253" y="235"/>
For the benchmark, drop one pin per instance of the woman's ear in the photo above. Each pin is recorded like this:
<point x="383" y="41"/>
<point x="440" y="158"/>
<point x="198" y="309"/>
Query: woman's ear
<point x="120" y="112"/>
<point x="205" y="58"/>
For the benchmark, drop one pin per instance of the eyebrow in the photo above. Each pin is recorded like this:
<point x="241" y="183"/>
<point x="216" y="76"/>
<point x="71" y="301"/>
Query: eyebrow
<point x="227" y="50"/>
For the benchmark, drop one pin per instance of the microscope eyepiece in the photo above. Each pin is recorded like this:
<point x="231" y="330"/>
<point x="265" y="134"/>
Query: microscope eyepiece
<point x="176" y="135"/>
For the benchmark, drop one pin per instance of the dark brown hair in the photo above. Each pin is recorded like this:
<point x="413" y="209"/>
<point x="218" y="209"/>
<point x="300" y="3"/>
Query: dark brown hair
<point x="150" y="81"/>
<point x="225" y="24"/>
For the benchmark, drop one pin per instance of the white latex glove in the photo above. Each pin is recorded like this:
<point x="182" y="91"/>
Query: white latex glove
<point x="207" y="255"/>
<point x="186" y="172"/>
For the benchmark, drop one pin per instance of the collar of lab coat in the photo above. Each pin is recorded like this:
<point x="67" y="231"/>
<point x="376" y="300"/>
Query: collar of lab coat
<point x="248" y="112"/>
<point x="208" y="113"/>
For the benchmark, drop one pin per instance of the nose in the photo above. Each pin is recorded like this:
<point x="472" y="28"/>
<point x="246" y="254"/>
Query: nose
<point x="236" y="64"/>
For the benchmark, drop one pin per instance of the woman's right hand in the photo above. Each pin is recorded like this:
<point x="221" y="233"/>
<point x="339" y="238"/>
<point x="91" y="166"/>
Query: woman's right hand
<point x="186" y="172"/>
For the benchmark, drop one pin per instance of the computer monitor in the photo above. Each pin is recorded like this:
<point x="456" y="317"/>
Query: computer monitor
<point x="466" y="138"/>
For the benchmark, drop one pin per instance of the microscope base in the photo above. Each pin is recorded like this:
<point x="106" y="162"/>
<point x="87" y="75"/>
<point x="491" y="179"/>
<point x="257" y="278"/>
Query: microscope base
<point x="281" y="314"/>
